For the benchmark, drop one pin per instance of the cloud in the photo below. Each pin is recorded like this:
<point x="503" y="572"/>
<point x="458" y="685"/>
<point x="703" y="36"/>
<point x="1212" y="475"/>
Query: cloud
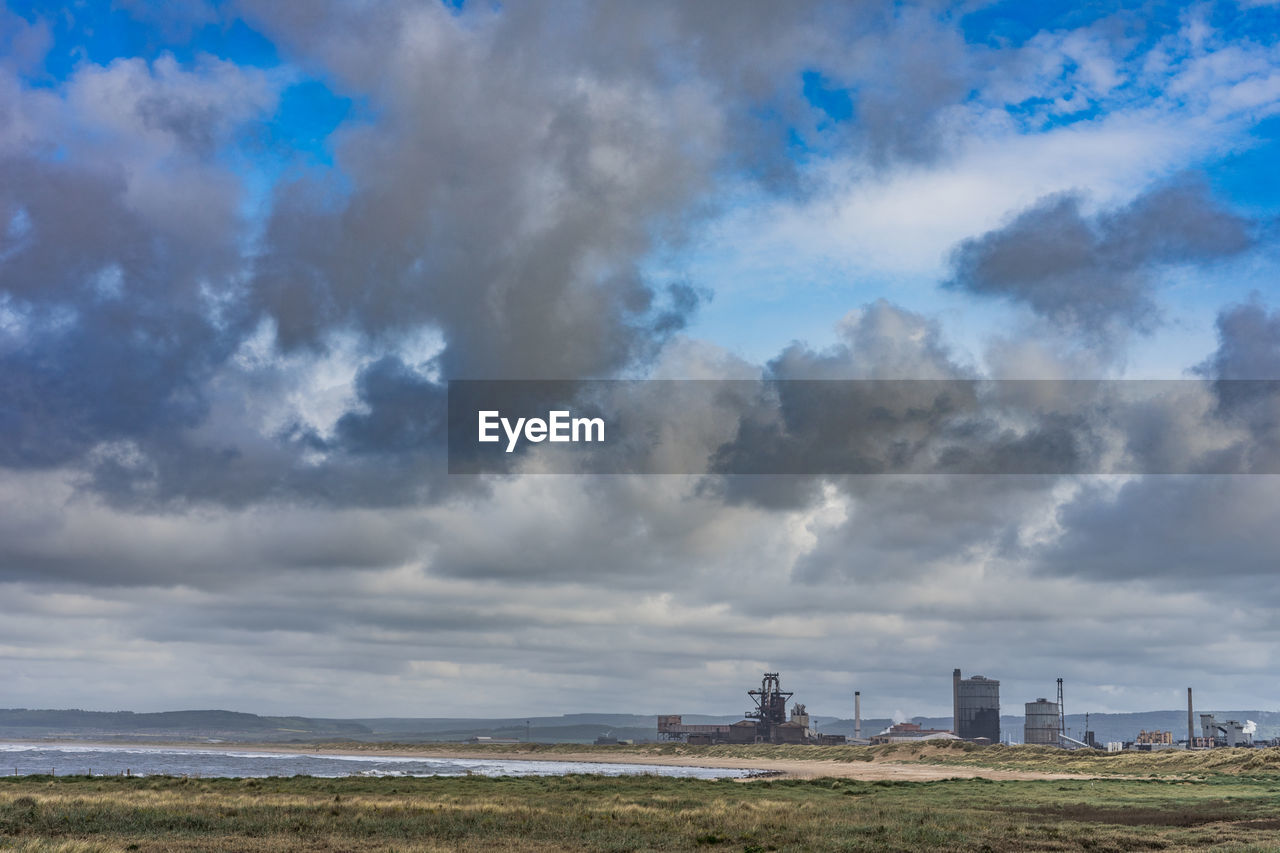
<point x="87" y="364"/>
<point x="503" y="197"/>
<point x="891" y="399"/>
<point x="221" y="384"/>
<point x="53" y="535"/>
<point x="1181" y="531"/>
<point x="877" y="341"/>
<point x="25" y="43"/>
<point x="1090" y="272"/>
<point x="501" y="202"/>
<point x="1248" y="344"/>
<point x="1245" y="370"/>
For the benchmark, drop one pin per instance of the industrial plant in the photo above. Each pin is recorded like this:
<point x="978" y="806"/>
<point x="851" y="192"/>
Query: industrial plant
<point x="1046" y="726"/>
<point x="766" y="723"/>
<point x="975" y="719"/>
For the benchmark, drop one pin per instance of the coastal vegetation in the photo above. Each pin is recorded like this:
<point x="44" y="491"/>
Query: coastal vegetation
<point x="1232" y="807"/>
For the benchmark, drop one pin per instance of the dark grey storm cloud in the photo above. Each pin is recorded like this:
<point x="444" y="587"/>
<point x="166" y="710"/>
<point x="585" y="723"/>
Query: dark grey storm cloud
<point x="1245" y="370"/>
<point x="508" y="201"/>
<point x="899" y="528"/>
<point x="834" y="412"/>
<point x="113" y="340"/>
<point x="900" y="65"/>
<point x="500" y="199"/>
<point x="1086" y="272"/>
<point x="506" y="178"/>
<point x="1248" y="344"/>
<point x="1183" y="530"/>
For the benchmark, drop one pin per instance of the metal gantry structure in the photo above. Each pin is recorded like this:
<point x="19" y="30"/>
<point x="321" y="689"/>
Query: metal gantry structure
<point x="1064" y="739"/>
<point x="771" y="704"/>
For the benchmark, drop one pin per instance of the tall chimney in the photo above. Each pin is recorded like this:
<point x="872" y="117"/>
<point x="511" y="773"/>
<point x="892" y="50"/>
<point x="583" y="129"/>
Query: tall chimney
<point x="857" y="714"/>
<point x="955" y="702"/>
<point x="1191" y="727"/>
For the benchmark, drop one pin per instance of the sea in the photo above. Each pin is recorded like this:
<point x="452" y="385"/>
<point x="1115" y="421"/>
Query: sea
<point x="61" y="759"/>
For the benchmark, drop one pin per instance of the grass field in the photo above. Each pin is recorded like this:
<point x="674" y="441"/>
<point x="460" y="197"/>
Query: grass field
<point x="1234" y="811"/>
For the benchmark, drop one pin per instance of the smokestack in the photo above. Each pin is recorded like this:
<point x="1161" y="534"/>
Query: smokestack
<point x="955" y="702"/>
<point x="1191" y="728"/>
<point x="857" y="714"/>
<point x="1062" y="714"/>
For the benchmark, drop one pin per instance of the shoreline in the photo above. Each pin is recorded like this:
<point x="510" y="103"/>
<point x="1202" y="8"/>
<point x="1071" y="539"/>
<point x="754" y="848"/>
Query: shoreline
<point x="765" y="768"/>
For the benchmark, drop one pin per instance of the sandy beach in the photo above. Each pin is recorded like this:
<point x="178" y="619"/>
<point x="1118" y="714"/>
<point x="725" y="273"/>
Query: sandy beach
<point x="777" y="768"/>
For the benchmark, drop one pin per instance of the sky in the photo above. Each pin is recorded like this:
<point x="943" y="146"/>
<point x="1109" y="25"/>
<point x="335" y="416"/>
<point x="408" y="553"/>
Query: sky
<point x="244" y="245"/>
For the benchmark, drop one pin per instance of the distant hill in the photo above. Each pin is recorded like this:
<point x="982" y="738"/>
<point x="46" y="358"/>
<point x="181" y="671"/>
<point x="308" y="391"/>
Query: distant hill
<point x="426" y="725"/>
<point x="237" y="726"/>
<point x="567" y="728"/>
<point x="26" y="723"/>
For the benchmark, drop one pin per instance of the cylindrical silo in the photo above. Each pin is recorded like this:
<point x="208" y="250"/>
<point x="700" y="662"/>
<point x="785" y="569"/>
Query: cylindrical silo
<point x="977" y="713"/>
<point x="1042" y="723"/>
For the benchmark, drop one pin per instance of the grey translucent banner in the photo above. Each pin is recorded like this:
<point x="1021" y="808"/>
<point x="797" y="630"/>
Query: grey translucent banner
<point x="864" y="427"/>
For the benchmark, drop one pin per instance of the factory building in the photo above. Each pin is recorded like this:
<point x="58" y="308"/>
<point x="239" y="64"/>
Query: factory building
<point x="910" y="733"/>
<point x="673" y="727"/>
<point x="976" y="707"/>
<point x="1043" y="725"/>
<point x="766" y="723"/>
<point x="1155" y="738"/>
<point x="1153" y="741"/>
<point x="1226" y="732"/>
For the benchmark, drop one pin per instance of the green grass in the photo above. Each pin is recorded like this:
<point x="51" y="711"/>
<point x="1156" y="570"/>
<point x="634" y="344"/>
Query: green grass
<point x="106" y="814"/>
